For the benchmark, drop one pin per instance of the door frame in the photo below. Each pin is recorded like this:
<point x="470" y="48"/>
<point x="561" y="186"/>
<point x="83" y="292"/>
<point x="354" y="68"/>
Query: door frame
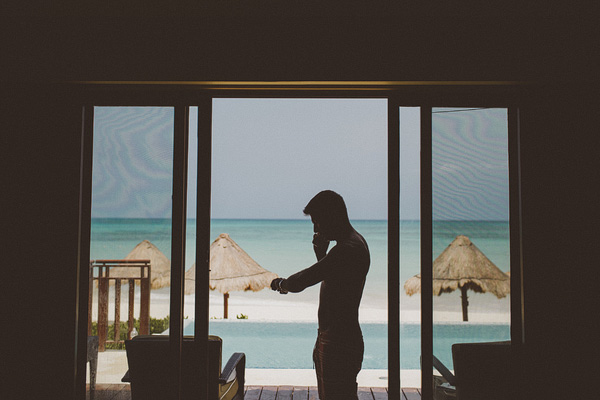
<point x="183" y="95"/>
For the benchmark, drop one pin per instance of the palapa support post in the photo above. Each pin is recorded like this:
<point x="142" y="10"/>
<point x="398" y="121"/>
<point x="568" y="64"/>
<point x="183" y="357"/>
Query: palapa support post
<point x="465" y="302"/>
<point x="117" y="325"/>
<point x="225" y="304"/>
<point x="130" y="304"/>
<point x="102" y="307"/>
<point x="145" y="304"/>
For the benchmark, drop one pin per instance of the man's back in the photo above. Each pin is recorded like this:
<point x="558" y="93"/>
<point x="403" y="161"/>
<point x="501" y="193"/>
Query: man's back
<point x="342" y="288"/>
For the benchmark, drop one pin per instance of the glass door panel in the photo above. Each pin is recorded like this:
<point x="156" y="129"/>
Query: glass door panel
<point x="409" y="247"/>
<point x="471" y="247"/>
<point x="189" y="306"/>
<point x="131" y="228"/>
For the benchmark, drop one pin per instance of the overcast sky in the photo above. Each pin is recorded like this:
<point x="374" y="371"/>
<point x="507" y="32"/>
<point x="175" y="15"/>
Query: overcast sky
<point x="271" y="156"/>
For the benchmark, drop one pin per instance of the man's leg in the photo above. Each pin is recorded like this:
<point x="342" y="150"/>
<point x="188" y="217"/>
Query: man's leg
<point x="337" y="366"/>
<point x="318" y="366"/>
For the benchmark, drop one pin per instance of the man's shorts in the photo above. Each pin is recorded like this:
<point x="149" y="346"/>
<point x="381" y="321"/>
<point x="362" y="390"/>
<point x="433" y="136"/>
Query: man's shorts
<point x="337" y="364"/>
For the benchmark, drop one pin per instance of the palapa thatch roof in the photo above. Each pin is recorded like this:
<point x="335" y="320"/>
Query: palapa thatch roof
<point x="160" y="266"/>
<point x="231" y="269"/>
<point x="413" y="285"/>
<point x="460" y="265"/>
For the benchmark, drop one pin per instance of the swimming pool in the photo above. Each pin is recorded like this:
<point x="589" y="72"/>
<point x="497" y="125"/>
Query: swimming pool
<point x="290" y="344"/>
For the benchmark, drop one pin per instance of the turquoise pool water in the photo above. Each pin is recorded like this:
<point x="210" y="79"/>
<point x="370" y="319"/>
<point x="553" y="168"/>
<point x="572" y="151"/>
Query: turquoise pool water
<point x="290" y="345"/>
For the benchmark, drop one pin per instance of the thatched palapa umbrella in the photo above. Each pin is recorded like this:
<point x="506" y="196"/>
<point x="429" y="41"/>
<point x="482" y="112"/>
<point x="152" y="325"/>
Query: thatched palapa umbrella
<point x="160" y="266"/>
<point x="463" y="266"/>
<point x="231" y="269"/>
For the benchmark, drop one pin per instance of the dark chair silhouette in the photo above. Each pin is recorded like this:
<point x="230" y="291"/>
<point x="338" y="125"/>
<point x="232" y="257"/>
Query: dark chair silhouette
<point x="150" y="371"/>
<point x="92" y="358"/>
<point x="482" y="371"/>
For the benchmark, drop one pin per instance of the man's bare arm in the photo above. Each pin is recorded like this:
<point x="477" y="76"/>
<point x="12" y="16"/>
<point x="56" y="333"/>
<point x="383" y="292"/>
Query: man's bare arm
<point x="320" y="246"/>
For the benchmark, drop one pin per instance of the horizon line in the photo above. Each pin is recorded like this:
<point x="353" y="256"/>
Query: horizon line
<point x="307" y="219"/>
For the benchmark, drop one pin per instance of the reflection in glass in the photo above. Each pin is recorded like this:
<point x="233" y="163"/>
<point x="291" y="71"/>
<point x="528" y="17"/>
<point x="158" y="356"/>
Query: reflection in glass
<point x="130" y="231"/>
<point x="470" y="228"/>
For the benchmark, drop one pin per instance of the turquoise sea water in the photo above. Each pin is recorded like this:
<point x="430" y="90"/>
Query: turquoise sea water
<point x="284" y="247"/>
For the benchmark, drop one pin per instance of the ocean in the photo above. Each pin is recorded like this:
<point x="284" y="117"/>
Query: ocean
<point x="284" y="247"/>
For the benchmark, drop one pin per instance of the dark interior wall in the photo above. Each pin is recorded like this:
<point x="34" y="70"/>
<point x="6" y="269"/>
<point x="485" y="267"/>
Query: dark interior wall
<point x="40" y="200"/>
<point x="298" y="41"/>
<point x="559" y="140"/>
<point x="301" y="40"/>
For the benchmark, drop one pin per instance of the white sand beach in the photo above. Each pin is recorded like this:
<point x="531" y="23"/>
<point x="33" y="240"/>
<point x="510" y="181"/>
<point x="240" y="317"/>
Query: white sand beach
<point x="270" y="306"/>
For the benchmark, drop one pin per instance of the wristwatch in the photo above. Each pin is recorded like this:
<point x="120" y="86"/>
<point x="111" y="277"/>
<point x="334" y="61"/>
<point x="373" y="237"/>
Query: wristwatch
<point x="279" y="284"/>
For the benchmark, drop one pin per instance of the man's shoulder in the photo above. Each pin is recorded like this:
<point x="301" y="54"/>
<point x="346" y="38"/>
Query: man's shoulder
<point x="354" y="243"/>
<point x="357" y="240"/>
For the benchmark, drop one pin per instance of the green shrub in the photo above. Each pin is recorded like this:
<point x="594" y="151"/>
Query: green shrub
<point x="158" y="325"/>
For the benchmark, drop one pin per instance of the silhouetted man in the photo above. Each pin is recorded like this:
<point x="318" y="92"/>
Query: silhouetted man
<point x="342" y="271"/>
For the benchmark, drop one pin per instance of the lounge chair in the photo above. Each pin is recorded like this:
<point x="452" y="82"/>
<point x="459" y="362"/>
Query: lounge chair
<point x="150" y="373"/>
<point x="482" y="371"/>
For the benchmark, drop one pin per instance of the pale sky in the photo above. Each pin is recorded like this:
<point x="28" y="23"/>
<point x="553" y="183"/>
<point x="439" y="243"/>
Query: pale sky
<point x="270" y="156"/>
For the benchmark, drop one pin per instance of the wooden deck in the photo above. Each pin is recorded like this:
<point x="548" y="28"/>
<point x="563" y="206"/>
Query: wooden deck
<point x="121" y="392"/>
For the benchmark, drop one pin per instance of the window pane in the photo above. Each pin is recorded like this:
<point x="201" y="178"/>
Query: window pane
<point x="132" y="183"/>
<point x="410" y="247"/>
<point x="190" y="238"/>
<point x="470" y="228"/>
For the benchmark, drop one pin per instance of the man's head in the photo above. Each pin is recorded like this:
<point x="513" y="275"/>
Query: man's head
<point x="328" y="213"/>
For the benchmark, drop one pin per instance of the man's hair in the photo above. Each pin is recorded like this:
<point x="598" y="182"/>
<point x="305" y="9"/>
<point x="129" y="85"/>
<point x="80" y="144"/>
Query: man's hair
<point x="328" y="203"/>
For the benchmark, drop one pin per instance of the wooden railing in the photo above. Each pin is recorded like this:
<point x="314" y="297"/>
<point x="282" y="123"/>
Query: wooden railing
<point x="100" y="271"/>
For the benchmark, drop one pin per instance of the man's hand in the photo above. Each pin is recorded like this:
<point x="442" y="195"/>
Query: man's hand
<point x="276" y="285"/>
<point x="320" y="245"/>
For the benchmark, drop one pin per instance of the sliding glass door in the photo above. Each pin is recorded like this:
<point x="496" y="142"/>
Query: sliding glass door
<point x="131" y="233"/>
<point x="457" y="237"/>
<point x="470" y="230"/>
<point x="450" y="238"/>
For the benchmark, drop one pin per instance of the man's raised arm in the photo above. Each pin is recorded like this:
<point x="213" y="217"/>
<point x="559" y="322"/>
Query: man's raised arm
<point x="320" y="246"/>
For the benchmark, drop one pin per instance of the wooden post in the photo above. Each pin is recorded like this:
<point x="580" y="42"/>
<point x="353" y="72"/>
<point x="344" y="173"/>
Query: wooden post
<point x="102" y="308"/>
<point x="145" y="305"/>
<point x="130" y="306"/>
<point x="465" y="302"/>
<point x="117" y="325"/>
<point x="225" y="305"/>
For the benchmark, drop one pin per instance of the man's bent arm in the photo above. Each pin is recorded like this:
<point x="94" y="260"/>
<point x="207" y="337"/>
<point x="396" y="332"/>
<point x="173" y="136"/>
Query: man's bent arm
<point x="320" y="246"/>
<point x="314" y="274"/>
